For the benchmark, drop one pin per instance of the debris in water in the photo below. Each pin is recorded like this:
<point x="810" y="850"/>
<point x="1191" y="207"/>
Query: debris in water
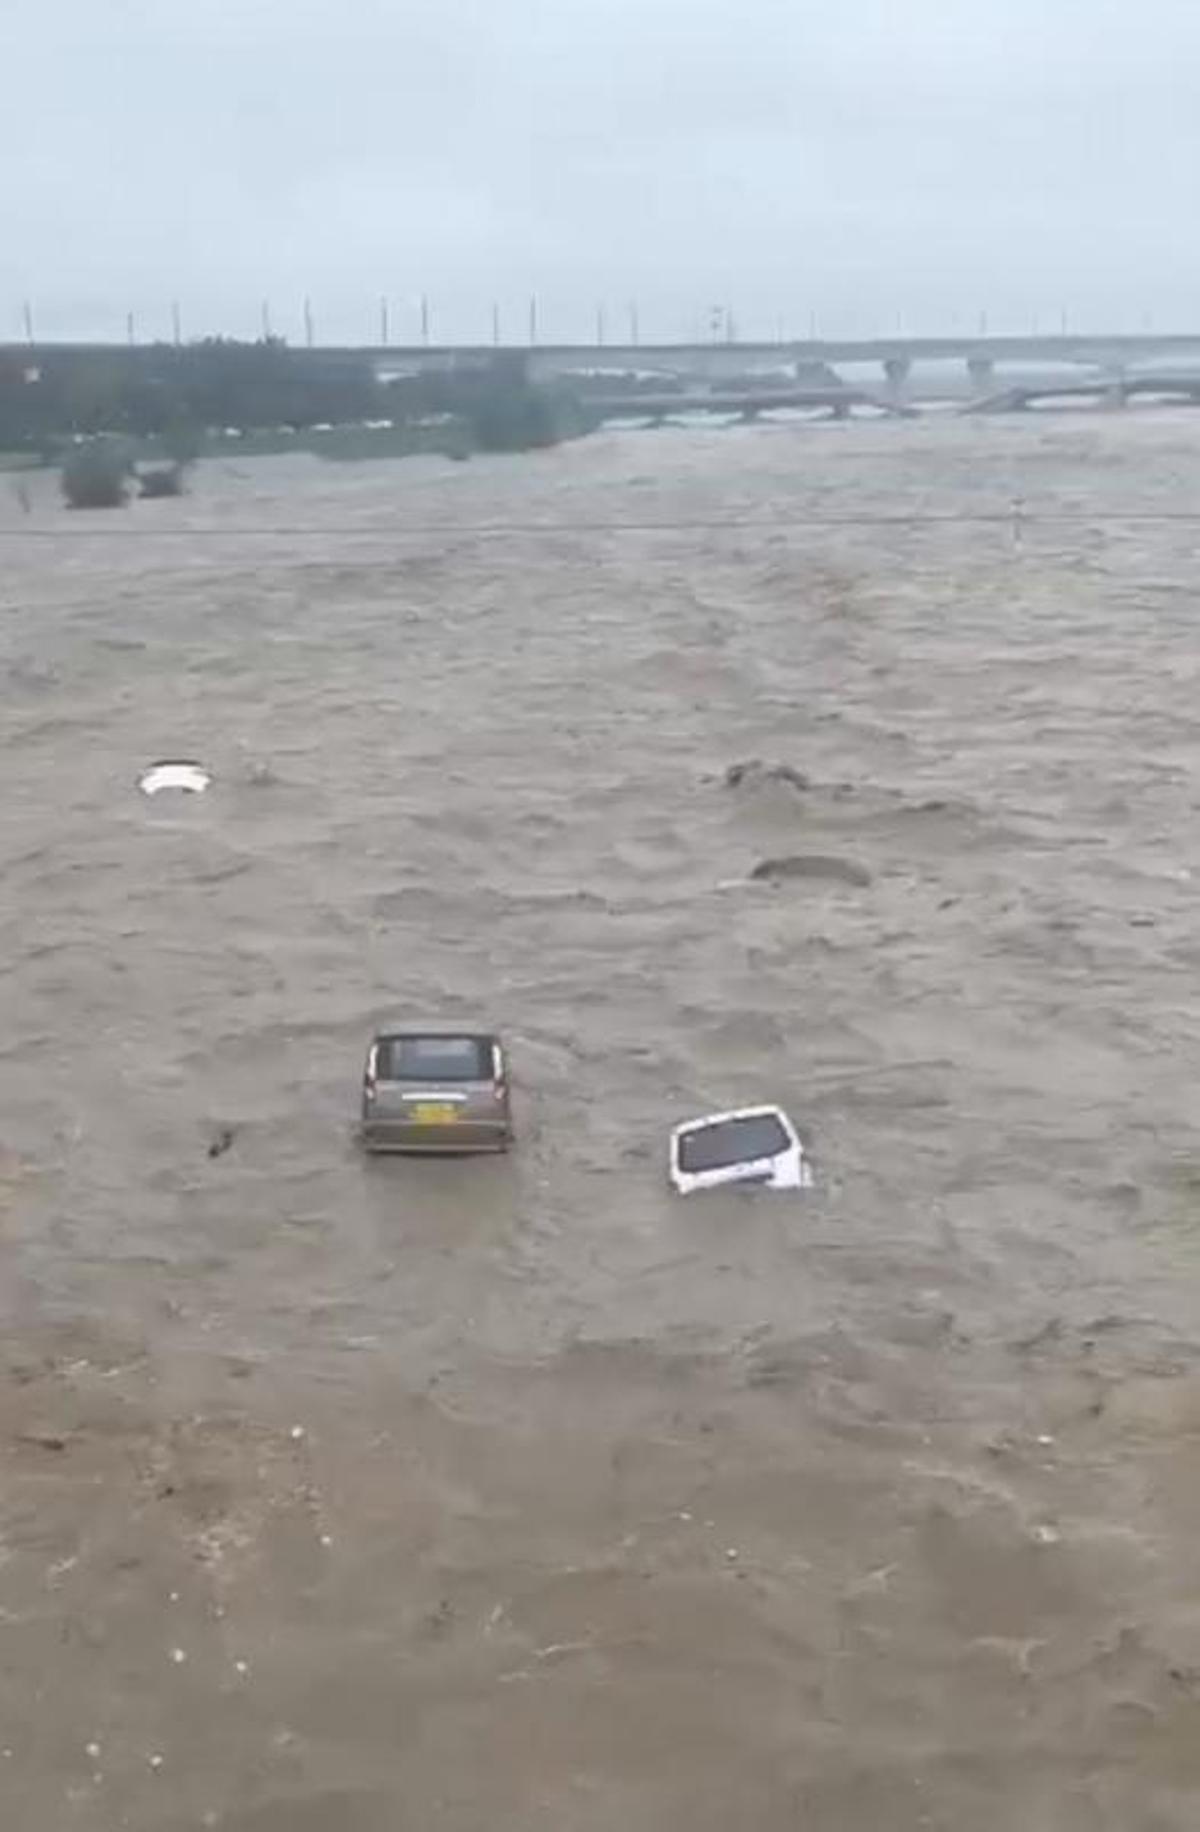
<point x="260" y="776"/>
<point x="811" y="865"/>
<point x="42" y="1440"/>
<point x="221" y="1143"/>
<point x="753" y="771"/>
<point x="1039" y="1338"/>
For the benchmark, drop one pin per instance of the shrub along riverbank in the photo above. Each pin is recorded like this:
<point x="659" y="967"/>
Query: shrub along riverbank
<point x="203" y="398"/>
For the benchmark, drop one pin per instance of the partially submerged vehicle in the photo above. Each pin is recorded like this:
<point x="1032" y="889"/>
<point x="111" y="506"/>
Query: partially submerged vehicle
<point x="436" y="1091"/>
<point x="748" y="1145"/>
<point x="191" y="778"/>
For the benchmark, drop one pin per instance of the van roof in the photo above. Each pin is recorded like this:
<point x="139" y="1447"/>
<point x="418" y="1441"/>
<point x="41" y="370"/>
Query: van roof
<point x="418" y="1033"/>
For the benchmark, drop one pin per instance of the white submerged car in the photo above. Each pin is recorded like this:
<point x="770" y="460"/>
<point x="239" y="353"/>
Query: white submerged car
<point x="749" y="1145"/>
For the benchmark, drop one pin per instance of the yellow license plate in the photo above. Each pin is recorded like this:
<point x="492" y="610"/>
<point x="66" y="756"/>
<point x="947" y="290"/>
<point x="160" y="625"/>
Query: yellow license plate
<point x="434" y="1113"/>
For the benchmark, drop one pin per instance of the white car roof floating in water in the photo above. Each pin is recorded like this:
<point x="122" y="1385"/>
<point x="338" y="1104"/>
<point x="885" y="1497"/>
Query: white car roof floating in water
<point x="745" y="1145"/>
<point x="190" y="778"/>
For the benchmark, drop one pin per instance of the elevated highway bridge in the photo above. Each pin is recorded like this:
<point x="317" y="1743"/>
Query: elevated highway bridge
<point x="894" y="358"/>
<point x="660" y="380"/>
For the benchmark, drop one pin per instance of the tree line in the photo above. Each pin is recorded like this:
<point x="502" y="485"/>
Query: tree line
<point x="180" y="394"/>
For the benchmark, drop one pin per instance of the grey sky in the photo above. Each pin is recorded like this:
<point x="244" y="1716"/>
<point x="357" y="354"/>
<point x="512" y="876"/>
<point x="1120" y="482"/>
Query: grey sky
<point x="866" y="162"/>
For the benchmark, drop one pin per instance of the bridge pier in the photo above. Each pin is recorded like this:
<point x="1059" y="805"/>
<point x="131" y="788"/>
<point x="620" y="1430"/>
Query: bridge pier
<point x="896" y="371"/>
<point x="981" y="371"/>
<point x="516" y="368"/>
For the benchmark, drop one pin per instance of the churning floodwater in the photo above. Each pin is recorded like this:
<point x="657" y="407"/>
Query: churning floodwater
<point x="519" y="1496"/>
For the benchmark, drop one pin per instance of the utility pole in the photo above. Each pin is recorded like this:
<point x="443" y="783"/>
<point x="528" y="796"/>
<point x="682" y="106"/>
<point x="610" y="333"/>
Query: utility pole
<point x="308" y="322"/>
<point x="496" y="325"/>
<point x="27" y="314"/>
<point x="533" y="320"/>
<point x="266" y="320"/>
<point x="424" y="318"/>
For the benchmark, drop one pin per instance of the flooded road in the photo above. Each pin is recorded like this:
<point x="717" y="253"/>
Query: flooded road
<point x="518" y="1495"/>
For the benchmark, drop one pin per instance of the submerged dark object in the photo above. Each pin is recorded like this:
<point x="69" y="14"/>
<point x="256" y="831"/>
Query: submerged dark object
<point x="163" y="480"/>
<point x="752" y="770"/>
<point x="814" y="865"/>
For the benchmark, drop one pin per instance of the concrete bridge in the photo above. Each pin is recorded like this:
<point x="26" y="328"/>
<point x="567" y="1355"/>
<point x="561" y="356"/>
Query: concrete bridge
<point x="836" y="403"/>
<point x="1103" y="391"/>
<point x="655" y="381"/>
<point x="896" y="359"/>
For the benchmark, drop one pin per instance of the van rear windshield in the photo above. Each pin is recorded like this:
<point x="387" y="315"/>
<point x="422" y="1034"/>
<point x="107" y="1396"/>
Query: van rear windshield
<point x="435" y="1059"/>
<point x="716" y="1147"/>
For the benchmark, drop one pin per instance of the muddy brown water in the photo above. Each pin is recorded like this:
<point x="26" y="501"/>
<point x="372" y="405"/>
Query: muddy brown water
<point x="350" y="1497"/>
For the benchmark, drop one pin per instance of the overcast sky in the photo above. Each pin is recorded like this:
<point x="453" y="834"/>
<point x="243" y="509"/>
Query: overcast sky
<point x="857" y="164"/>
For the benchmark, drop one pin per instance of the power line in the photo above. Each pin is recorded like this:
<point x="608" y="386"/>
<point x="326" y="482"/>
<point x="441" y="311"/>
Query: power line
<point x="999" y="518"/>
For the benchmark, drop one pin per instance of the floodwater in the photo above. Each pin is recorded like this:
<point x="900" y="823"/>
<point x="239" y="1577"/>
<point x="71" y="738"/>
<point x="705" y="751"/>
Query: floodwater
<point x="517" y="1496"/>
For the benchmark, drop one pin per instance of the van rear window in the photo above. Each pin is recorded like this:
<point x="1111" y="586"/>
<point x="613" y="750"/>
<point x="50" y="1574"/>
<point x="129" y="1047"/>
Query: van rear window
<point x="435" y="1059"/>
<point x="716" y="1147"/>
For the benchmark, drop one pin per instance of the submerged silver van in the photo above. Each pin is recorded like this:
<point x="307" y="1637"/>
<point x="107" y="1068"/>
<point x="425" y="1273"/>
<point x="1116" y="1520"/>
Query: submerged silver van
<point x="434" y="1091"/>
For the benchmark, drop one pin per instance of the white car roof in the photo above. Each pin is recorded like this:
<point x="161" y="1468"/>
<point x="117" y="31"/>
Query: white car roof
<point x="734" y="1113"/>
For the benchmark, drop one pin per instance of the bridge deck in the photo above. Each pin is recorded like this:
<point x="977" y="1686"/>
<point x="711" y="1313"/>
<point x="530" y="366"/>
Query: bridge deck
<point x="1094" y="347"/>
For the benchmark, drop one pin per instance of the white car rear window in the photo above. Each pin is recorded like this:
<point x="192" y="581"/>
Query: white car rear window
<point x="727" y="1142"/>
